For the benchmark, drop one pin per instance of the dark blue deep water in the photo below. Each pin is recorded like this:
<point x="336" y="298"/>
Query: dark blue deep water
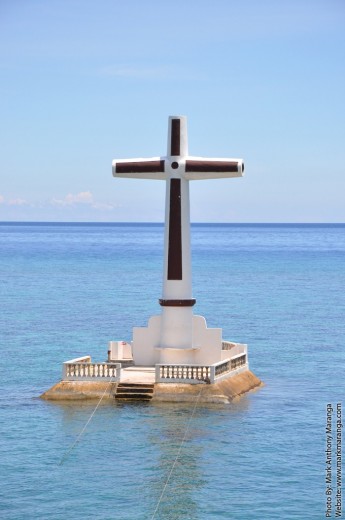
<point x="67" y="289"/>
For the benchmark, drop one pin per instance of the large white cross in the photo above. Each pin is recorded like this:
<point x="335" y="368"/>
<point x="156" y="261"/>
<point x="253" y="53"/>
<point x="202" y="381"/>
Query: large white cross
<point x="177" y="168"/>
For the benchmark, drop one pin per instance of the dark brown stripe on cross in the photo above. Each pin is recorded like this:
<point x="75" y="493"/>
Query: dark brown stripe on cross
<point x="140" y="167"/>
<point x="177" y="303"/>
<point x="211" y="166"/>
<point x="175" y="232"/>
<point x="175" y="137"/>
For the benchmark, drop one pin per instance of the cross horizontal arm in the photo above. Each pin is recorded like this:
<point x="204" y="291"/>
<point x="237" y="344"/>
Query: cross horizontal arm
<point x="152" y="168"/>
<point x="197" y="168"/>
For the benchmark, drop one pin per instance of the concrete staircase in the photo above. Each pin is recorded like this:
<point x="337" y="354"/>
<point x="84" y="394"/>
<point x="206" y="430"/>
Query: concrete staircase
<point x="134" y="392"/>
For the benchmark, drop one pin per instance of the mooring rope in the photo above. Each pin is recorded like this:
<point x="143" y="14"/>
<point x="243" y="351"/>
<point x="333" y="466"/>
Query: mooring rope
<point x="178" y="454"/>
<point x="64" y="457"/>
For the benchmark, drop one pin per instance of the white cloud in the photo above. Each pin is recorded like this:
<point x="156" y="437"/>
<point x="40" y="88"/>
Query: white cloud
<point x="78" y="205"/>
<point x="18" y="202"/>
<point x="83" y="197"/>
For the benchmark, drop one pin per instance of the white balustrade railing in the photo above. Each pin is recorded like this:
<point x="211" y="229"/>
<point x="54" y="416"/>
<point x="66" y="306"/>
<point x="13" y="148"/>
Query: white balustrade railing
<point x="193" y="374"/>
<point x="228" y="345"/>
<point x="81" y="369"/>
<point x="171" y="373"/>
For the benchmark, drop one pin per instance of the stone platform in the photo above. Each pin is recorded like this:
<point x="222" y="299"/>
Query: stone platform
<point x="222" y="392"/>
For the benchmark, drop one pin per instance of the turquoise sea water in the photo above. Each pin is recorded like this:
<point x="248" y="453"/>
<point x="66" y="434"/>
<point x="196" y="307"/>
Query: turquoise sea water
<point x="66" y="289"/>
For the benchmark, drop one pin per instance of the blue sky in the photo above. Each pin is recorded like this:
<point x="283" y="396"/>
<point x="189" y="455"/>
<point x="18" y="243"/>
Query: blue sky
<point x="83" y="82"/>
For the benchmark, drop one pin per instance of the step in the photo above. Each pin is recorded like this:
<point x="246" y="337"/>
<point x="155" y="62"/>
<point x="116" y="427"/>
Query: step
<point x="134" y="392"/>
<point x="136" y="385"/>
<point x="126" y="390"/>
<point x="133" y="397"/>
<point x="125" y="363"/>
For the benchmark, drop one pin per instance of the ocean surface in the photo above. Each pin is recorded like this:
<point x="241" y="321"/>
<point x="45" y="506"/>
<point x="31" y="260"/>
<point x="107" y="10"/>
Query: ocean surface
<point x="67" y="289"/>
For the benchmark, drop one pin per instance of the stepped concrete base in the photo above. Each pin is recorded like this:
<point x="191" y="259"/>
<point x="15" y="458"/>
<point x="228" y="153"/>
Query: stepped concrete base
<point x="223" y="392"/>
<point x="78" y="390"/>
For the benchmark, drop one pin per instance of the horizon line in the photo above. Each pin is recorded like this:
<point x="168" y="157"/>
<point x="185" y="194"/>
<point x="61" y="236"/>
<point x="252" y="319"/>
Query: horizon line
<point x="88" y="222"/>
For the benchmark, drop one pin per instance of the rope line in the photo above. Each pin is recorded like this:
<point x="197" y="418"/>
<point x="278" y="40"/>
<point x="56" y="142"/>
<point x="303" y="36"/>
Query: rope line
<point x="64" y="457"/>
<point x="178" y="454"/>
